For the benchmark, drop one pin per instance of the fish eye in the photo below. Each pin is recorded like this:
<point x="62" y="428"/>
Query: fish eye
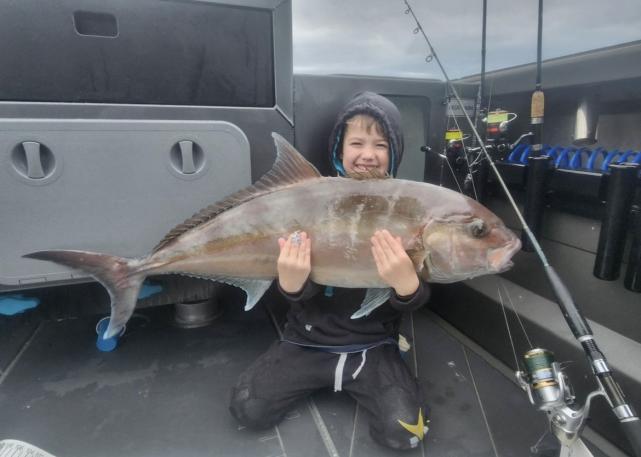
<point x="477" y="228"/>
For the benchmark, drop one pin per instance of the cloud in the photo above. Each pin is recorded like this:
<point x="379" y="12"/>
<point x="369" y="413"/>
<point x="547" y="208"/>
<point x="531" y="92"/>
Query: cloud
<point x="375" y="36"/>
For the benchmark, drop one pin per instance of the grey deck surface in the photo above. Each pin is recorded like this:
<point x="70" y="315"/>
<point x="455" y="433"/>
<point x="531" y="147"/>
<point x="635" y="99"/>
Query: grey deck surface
<point x="164" y="392"/>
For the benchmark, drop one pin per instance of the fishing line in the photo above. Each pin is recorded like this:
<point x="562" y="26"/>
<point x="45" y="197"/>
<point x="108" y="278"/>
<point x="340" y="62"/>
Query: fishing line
<point x="489" y="101"/>
<point x="478" y="107"/>
<point x="509" y="332"/>
<point x="467" y="161"/>
<point x="451" y="171"/>
<point x="518" y="316"/>
<point x="452" y="116"/>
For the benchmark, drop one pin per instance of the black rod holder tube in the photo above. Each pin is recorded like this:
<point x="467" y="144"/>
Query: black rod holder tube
<point x="633" y="273"/>
<point x="620" y="191"/>
<point x="537" y="173"/>
<point x="480" y="180"/>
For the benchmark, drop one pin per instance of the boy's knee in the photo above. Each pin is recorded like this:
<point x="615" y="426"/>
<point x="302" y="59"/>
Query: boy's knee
<point x="404" y="432"/>
<point x="251" y="412"/>
<point x="401" y="423"/>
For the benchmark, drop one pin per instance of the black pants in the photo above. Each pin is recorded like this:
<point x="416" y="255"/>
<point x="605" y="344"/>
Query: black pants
<point x="287" y="373"/>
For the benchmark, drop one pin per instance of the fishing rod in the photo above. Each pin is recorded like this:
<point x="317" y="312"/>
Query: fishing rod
<point x="537" y="108"/>
<point x="479" y="106"/>
<point x="544" y="373"/>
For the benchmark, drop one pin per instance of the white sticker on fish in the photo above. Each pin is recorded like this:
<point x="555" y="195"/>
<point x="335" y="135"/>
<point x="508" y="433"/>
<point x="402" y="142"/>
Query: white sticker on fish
<point x="296" y="238"/>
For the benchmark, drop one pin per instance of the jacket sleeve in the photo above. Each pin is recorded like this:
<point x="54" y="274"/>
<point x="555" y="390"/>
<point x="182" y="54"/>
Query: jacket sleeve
<point x="308" y="291"/>
<point x="414" y="301"/>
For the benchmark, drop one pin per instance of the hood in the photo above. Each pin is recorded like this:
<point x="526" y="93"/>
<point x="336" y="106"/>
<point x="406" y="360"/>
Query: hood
<point x="381" y="109"/>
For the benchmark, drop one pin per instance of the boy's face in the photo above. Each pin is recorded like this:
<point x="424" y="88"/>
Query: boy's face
<point x="365" y="148"/>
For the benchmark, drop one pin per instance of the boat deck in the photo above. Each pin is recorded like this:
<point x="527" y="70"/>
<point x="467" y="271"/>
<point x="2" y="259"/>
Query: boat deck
<point x="164" y="392"/>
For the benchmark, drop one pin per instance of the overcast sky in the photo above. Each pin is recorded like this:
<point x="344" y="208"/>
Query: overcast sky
<point x="375" y="37"/>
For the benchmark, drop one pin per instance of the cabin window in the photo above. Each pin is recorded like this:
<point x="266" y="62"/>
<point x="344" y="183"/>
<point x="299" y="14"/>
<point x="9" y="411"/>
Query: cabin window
<point x="136" y="52"/>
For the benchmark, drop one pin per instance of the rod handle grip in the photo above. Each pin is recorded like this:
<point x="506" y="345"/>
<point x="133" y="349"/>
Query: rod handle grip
<point x="632" y="432"/>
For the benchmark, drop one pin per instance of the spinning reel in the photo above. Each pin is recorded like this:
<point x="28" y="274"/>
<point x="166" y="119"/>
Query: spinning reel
<point x="549" y="390"/>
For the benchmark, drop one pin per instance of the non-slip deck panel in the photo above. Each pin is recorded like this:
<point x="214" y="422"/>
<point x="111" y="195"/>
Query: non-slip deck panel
<point x="165" y="391"/>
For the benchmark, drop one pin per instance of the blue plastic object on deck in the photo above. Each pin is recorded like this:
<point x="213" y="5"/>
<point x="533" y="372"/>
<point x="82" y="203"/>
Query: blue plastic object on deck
<point x="16" y="304"/>
<point x="109" y="344"/>
<point x="148" y="289"/>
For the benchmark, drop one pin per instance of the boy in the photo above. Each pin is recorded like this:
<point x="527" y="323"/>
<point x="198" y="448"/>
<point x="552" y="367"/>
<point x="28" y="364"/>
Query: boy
<point x="321" y="345"/>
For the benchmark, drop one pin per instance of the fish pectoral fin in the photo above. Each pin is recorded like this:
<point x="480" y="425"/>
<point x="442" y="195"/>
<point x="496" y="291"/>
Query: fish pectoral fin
<point x="417" y="256"/>
<point x="373" y="299"/>
<point x="254" y="288"/>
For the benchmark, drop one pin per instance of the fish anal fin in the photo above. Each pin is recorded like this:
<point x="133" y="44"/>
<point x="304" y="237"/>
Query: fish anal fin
<point x="254" y="288"/>
<point x="373" y="299"/>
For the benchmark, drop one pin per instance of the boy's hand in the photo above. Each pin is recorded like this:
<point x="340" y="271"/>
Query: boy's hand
<point x="393" y="264"/>
<point x="294" y="264"/>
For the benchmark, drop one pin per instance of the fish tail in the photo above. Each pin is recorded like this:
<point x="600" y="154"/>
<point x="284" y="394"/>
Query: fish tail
<point x="118" y="275"/>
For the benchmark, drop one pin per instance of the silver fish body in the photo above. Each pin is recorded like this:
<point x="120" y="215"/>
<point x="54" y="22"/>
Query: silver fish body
<point x="448" y="236"/>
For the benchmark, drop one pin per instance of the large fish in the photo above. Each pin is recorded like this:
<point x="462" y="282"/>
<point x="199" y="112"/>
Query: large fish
<point x="448" y="236"/>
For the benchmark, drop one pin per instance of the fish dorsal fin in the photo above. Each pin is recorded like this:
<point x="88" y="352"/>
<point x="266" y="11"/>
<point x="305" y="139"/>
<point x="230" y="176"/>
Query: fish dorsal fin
<point x="290" y="168"/>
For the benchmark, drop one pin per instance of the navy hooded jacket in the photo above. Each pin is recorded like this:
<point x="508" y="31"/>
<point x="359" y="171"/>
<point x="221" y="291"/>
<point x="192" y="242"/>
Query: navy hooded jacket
<point x="381" y="109"/>
<point x="319" y="318"/>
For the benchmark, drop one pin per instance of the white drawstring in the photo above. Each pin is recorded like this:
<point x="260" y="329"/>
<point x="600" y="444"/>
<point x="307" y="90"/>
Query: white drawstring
<point x="338" y="374"/>
<point x="340" y="368"/>
<point x="360" y="367"/>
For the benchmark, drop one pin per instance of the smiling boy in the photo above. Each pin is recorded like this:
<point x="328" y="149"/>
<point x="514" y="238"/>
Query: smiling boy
<point x="321" y="345"/>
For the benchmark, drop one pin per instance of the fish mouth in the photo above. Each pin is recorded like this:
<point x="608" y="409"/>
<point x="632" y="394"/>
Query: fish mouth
<point x="500" y="259"/>
<point x="506" y="266"/>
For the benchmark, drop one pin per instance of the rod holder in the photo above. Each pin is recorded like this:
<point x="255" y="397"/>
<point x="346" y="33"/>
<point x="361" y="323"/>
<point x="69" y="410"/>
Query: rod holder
<point x="620" y="190"/>
<point x="633" y="273"/>
<point x="480" y="180"/>
<point x="537" y="174"/>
